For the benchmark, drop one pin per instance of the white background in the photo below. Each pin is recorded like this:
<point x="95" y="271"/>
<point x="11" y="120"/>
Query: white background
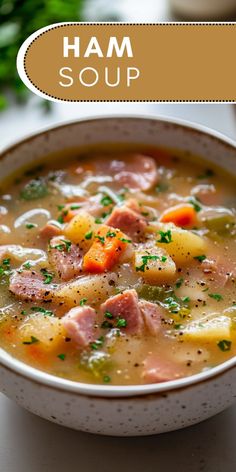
<point x="30" y="444"/>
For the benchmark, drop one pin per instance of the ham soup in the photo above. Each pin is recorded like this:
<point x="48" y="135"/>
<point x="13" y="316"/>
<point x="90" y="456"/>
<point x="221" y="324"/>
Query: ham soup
<point x="117" y="265"/>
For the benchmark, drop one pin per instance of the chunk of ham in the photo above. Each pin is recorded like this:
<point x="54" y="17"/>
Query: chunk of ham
<point x="51" y="230"/>
<point x="65" y="257"/>
<point x="157" y="369"/>
<point x="125" y="305"/>
<point x="29" y="285"/>
<point x="128" y="219"/>
<point x="135" y="171"/>
<point x="79" y="324"/>
<point x="152" y="314"/>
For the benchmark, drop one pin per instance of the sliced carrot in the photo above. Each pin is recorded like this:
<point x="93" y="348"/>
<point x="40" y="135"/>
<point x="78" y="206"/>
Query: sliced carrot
<point x="105" y="251"/>
<point x="181" y="215"/>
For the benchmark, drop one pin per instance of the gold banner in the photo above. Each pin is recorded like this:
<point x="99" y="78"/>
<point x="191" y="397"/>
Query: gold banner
<point x="131" y="62"/>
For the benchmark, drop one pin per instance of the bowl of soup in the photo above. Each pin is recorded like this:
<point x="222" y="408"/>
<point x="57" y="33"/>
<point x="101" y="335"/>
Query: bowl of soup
<point x="117" y="274"/>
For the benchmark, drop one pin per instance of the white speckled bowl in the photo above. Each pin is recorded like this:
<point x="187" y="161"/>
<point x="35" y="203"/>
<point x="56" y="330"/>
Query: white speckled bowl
<point x="104" y="409"/>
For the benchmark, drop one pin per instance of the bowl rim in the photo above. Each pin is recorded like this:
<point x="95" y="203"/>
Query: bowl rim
<point x="40" y="377"/>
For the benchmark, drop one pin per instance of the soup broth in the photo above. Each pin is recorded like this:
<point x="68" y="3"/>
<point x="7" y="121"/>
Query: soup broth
<point x="117" y="265"/>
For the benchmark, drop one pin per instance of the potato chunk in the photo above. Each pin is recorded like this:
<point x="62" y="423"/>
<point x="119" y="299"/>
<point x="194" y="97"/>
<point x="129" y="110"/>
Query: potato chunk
<point x="154" y="265"/>
<point x="95" y="288"/>
<point x="208" y="330"/>
<point x="46" y="331"/>
<point x="182" y="245"/>
<point x="80" y="229"/>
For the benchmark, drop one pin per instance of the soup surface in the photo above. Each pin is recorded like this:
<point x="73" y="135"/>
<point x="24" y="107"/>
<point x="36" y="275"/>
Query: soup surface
<point x="118" y="266"/>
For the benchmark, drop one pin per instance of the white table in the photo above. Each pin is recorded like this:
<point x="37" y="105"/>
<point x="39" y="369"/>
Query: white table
<point x="30" y="444"/>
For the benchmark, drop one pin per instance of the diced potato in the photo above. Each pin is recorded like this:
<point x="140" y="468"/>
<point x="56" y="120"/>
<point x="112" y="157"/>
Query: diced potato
<point x="95" y="288"/>
<point x="209" y="330"/>
<point x="154" y="265"/>
<point x="79" y="229"/>
<point x="48" y="330"/>
<point x="184" y="245"/>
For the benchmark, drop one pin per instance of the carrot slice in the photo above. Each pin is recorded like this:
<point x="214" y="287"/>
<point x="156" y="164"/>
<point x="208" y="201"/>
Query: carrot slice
<point x="108" y="246"/>
<point x="181" y="215"/>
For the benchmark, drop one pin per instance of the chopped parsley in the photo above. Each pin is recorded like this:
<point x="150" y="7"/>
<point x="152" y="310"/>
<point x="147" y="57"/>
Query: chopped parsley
<point x="39" y="309"/>
<point x="27" y="265"/>
<point x="166" y="237"/>
<point x="61" y="356"/>
<point x="33" y="340"/>
<point x="147" y="258"/>
<point x="65" y="246"/>
<point x="98" y="343"/>
<point x="224" y="345"/>
<point x="88" y="235"/>
<point x="179" y="282"/>
<point x="111" y="234"/>
<point x="75" y="207"/>
<point x="195" y="203"/>
<point x="215" y="296"/>
<point x="98" y="221"/>
<point x="60" y="207"/>
<point x="30" y="225"/>
<point x="48" y="276"/>
<point x="124" y="240"/>
<point x="106" y="201"/>
<point x="100" y="238"/>
<point x="108" y="315"/>
<point x="83" y="301"/>
<point x="121" y="323"/>
<point x="5" y="268"/>
<point x="200" y="258"/>
<point x="106" y="379"/>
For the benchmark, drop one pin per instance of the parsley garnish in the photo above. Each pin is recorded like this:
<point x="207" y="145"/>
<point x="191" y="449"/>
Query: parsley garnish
<point x="60" y="207"/>
<point x="83" y="301"/>
<point x="224" y="345"/>
<point x="108" y="315"/>
<point x="47" y="276"/>
<point x="65" y="246"/>
<point x="124" y="240"/>
<point x="88" y="235"/>
<point x="121" y="323"/>
<point x="179" y="282"/>
<point x="166" y="237"/>
<point x="30" y="225"/>
<point x="215" y="296"/>
<point x="33" y="340"/>
<point x="145" y="260"/>
<point x="75" y="207"/>
<point x="200" y="258"/>
<point x="100" y="238"/>
<point x="194" y="202"/>
<point x="98" y="221"/>
<point x="5" y="268"/>
<point x="27" y="265"/>
<point x="61" y="356"/>
<point x="110" y="234"/>
<point x="106" y="201"/>
<point x="106" y="379"/>
<point x="39" y="309"/>
<point x="98" y="343"/>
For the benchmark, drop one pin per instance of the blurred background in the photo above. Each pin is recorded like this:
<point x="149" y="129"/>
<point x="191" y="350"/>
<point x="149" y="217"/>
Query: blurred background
<point x="22" y="113"/>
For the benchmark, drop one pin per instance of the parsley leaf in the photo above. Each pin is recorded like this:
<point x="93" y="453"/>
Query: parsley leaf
<point x="88" y="235"/>
<point x="166" y="237"/>
<point x="61" y="356"/>
<point x="83" y="301"/>
<point x="224" y="345"/>
<point x="48" y="276"/>
<point x="200" y="258"/>
<point x="106" y="201"/>
<point x="215" y="296"/>
<point x="33" y="340"/>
